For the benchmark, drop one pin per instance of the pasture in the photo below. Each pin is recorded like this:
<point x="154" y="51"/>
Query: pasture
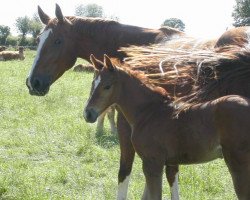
<point x="48" y="151"/>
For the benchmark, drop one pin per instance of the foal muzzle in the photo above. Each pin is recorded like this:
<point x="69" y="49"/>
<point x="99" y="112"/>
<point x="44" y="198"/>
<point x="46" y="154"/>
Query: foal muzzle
<point x="90" y="115"/>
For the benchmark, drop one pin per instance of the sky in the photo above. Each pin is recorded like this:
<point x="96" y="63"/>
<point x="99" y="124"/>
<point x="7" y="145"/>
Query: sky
<point x="203" y="18"/>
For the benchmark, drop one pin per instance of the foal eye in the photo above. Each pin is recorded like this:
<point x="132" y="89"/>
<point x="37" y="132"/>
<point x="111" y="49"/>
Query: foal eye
<point x="107" y="87"/>
<point x="57" y="41"/>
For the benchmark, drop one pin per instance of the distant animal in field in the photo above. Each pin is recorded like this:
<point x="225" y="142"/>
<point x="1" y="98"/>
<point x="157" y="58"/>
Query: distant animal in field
<point x="2" y="48"/>
<point x="83" y="68"/>
<point x="12" y="55"/>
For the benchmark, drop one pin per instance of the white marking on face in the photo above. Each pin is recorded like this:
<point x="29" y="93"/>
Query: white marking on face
<point x="123" y="189"/>
<point x="42" y="38"/>
<point x="175" y="188"/>
<point x="96" y="83"/>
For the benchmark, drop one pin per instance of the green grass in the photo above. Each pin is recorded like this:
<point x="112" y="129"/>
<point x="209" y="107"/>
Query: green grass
<point x="47" y="151"/>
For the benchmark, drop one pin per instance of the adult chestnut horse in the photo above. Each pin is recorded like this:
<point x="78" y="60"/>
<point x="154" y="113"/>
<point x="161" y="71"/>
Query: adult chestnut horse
<point x="201" y="133"/>
<point x="64" y="39"/>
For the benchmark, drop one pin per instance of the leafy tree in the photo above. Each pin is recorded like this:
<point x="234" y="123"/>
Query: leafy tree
<point x="241" y="13"/>
<point x="12" y="40"/>
<point x="89" y="10"/>
<point x="35" y="27"/>
<point x="174" y="23"/>
<point x="23" y="26"/>
<point x="4" y="33"/>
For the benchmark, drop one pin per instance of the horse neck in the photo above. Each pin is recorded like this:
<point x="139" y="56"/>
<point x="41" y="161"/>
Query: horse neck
<point x="100" y="37"/>
<point x="136" y="100"/>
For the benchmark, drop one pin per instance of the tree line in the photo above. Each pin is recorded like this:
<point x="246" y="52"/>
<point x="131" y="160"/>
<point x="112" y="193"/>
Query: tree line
<point x="32" y="26"/>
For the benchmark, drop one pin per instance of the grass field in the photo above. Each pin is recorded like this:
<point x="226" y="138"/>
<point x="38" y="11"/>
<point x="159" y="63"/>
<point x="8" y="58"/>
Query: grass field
<point x="47" y="151"/>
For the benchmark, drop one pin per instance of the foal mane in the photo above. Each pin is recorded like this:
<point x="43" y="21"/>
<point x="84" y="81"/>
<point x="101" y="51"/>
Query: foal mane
<point x="142" y="77"/>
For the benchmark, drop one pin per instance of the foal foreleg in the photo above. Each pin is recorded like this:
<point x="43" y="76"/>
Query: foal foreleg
<point x="238" y="163"/>
<point x="127" y="156"/>
<point x="172" y="177"/>
<point x="153" y="173"/>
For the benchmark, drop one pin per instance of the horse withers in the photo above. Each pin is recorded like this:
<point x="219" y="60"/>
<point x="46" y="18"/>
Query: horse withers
<point x="200" y="133"/>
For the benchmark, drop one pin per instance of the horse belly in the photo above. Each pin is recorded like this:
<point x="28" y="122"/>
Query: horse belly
<point x="198" y="155"/>
<point x="197" y="144"/>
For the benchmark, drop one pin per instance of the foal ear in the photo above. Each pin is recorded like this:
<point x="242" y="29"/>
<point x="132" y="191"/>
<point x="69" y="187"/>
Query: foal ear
<point x="96" y="63"/>
<point x="108" y="63"/>
<point x="59" y="15"/>
<point x="43" y="17"/>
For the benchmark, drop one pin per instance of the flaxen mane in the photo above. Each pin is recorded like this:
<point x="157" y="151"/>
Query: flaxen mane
<point x="209" y="72"/>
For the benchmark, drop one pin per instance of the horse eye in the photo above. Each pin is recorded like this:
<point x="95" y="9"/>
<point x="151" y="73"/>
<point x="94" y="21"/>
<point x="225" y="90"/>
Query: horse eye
<point x="107" y="87"/>
<point x="57" y="41"/>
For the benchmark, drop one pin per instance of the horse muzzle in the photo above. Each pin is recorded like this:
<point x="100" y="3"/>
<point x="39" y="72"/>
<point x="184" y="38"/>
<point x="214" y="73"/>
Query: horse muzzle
<point x="90" y="115"/>
<point x="37" y="87"/>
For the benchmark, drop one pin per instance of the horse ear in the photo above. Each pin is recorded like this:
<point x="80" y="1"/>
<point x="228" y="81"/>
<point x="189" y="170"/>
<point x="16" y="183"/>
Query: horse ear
<point x="59" y="15"/>
<point x="96" y="63"/>
<point x="44" y="17"/>
<point x="108" y="63"/>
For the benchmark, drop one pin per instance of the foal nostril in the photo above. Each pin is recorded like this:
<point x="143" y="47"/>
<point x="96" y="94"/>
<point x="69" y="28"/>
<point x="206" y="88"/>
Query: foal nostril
<point x="87" y="114"/>
<point x="90" y="115"/>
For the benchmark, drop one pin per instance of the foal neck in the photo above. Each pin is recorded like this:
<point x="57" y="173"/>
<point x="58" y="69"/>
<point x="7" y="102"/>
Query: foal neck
<point x="138" y="98"/>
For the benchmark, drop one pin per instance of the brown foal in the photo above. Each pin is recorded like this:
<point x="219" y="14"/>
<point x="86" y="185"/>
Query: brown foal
<point x="200" y="133"/>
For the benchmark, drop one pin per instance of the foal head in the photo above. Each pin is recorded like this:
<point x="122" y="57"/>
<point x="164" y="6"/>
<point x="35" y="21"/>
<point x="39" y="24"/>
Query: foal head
<point x="105" y="88"/>
<point x="55" y="53"/>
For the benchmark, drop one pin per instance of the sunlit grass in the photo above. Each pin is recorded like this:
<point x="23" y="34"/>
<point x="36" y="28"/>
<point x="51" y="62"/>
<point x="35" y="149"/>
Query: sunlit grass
<point x="47" y="151"/>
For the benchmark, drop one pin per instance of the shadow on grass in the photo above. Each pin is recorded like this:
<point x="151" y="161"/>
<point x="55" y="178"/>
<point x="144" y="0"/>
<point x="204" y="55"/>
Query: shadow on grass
<point x="106" y="139"/>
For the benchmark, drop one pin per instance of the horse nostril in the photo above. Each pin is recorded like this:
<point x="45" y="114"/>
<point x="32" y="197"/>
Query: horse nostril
<point x="37" y="83"/>
<point x="27" y="82"/>
<point x="87" y="114"/>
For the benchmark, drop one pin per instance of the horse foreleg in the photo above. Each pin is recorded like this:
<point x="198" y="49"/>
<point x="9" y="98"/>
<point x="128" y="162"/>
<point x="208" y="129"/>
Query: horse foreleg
<point x="238" y="163"/>
<point x="153" y="173"/>
<point x="172" y="177"/>
<point x="127" y="156"/>
<point x="111" y="117"/>
<point x="100" y="123"/>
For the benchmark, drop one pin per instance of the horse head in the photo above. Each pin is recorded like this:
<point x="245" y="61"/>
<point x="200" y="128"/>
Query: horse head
<point x="104" y="88"/>
<point x="56" y="52"/>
